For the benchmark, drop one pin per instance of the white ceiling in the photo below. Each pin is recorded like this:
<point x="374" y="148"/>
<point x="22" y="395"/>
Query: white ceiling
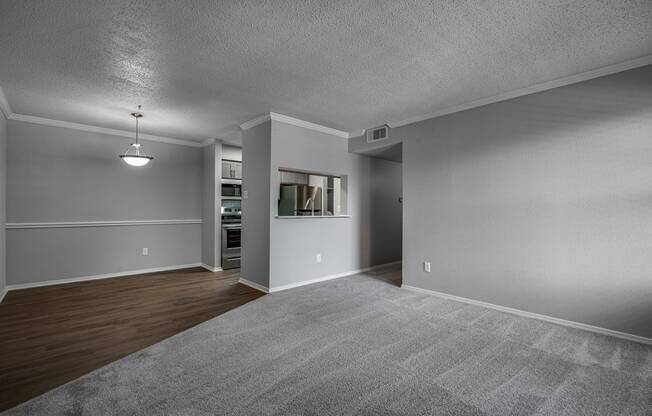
<point x="200" y="68"/>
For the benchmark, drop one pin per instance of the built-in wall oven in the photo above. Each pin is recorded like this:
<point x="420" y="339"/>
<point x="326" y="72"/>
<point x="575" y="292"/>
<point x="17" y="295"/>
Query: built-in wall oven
<point x="231" y="232"/>
<point x="231" y="210"/>
<point x="231" y="237"/>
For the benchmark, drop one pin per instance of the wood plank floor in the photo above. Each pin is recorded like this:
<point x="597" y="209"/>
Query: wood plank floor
<point x="51" y="335"/>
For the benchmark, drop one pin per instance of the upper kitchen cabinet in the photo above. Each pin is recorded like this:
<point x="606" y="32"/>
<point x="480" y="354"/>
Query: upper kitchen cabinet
<point x="289" y="177"/>
<point x="231" y="169"/>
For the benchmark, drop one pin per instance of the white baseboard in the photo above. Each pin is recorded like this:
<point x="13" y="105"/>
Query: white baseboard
<point x="254" y="285"/>
<point x="316" y="280"/>
<point x="526" y="314"/>
<point x="3" y="293"/>
<point x="266" y="289"/>
<point x="211" y="268"/>
<point x="101" y="276"/>
<point x="330" y="277"/>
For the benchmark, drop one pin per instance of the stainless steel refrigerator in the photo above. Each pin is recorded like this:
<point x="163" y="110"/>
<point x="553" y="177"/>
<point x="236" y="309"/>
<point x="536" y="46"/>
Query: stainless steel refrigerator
<point x="299" y="199"/>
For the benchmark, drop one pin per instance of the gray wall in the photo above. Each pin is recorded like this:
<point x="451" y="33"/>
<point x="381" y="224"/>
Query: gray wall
<point x="38" y="255"/>
<point x="541" y="203"/>
<point x="60" y="175"/>
<point x="278" y="252"/>
<point x="343" y="242"/>
<point x="385" y="211"/>
<point x="3" y="199"/>
<point x="256" y="147"/>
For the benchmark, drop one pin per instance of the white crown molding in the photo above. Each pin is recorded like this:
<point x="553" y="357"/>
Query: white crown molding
<point x="5" y="108"/>
<point x="207" y="142"/>
<point x="295" y="122"/>
<point x="532" y="315"/>
<point x="79" y="224"/>
<point x="548" y="85"/>
<point x="253" y="123"/>
<point x="102" y="130"/>
<point x="308" y="125"/>
<point x="101" y="276"/>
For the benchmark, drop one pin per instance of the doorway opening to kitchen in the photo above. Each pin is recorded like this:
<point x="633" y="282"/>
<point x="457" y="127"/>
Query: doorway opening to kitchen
<point x="386" y="212"/>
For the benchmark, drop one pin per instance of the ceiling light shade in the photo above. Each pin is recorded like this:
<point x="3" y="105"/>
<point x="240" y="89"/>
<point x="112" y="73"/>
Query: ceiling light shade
<point x="136" y="160"/>
<point x="134" y="156"/>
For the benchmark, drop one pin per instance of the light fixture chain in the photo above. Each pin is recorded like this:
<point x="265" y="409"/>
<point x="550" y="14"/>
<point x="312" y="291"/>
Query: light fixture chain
<point x="138" y="158"/>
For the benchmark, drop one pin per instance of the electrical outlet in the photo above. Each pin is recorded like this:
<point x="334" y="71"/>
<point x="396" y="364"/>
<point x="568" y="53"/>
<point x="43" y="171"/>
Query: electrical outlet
<point x="145" y="251"/>
<point x="318" y="257"/>
<point x="426" y="266"/>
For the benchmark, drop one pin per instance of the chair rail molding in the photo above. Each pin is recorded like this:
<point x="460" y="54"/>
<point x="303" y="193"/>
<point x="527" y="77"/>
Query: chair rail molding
<point x="78" y="224"/>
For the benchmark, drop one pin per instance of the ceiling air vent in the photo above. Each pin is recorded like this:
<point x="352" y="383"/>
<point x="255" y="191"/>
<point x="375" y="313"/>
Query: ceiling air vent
<point x="379" y="133"/>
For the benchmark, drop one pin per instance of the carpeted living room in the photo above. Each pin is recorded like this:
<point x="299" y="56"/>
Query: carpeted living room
<point x="325" y="208"/>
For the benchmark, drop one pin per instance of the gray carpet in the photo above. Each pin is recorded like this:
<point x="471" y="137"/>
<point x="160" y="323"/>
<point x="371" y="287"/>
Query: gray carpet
<point x="362" y="346"/>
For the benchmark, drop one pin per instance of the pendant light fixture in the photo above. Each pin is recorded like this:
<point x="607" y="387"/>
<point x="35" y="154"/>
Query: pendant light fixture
<point x="134" y="156"/>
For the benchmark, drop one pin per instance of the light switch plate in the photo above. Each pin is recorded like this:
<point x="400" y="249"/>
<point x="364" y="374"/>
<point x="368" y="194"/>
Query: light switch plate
<point x="245" y="194"/>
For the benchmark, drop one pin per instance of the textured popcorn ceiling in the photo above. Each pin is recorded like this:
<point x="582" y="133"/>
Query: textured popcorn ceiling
<point x="202" y="67"/>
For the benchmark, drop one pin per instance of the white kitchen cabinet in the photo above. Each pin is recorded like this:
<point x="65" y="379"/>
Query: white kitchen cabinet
<point x="231" y="169"/>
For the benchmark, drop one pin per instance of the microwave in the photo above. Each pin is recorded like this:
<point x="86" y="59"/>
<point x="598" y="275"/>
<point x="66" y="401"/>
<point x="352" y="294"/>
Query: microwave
<point x="231" y="189"/>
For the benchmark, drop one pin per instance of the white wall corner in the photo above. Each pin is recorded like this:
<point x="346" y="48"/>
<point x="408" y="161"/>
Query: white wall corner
<point x="3" y="293"/>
